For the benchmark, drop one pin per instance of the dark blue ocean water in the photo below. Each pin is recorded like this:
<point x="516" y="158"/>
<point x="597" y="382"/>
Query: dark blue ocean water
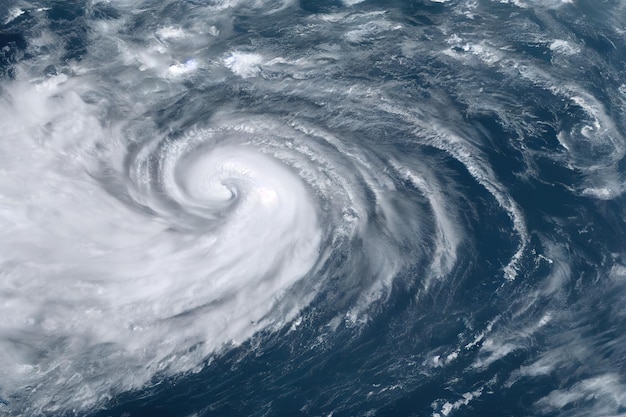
<point x="315" y="208"/>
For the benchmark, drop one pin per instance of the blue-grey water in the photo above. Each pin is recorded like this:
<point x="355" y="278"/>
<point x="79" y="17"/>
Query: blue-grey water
<point x="312" y="208"/>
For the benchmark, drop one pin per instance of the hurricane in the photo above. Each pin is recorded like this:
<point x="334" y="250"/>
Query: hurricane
<point x="312" y="208"/>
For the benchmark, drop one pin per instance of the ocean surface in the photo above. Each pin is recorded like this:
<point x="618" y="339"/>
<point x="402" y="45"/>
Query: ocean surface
<point x="312" y="208"/>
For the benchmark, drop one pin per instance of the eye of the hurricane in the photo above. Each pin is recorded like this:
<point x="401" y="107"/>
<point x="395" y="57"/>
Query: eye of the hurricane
<point x="221" y="176"/>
